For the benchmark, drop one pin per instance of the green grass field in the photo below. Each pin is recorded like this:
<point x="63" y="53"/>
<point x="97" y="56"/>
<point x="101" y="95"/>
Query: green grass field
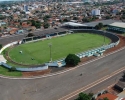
<point x="61" y="47"/>
<point x="4" y="71"/>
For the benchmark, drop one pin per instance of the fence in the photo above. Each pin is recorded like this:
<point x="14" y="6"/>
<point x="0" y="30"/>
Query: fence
<point x="61" y="62"/>
<point x="25" y="69"/>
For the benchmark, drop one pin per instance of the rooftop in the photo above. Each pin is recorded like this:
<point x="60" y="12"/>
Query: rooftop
<point x="118" y="24"/>
<point x="108" y="95"/>
<point x="105" y="22"/>
<point x="73" y="24"/>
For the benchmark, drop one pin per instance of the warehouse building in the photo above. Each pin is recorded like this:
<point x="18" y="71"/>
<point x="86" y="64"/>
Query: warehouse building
<point x="89" y="25"/>
<point x="117" y="27"/>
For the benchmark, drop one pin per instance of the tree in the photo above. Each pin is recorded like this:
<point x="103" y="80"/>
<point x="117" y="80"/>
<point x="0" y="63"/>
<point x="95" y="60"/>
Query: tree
<point x="83" y="96"/>
<point x="12" y="69"/>
<point x="30" y="35"/>
<point x="46" y="25"/>
<point x="46" y="17"/>
<point x="65" y="20"/>
<point x="86" y="20"/>
<point x="0" y="46"/>
<point x="33" y="22"/>
<point x="38" y="25"/>
<point x="107" y="17"/>
<point x="75" y="18"/>
<point x="90" y="95"/>
<point x="99" y="26"/>
<point x="123" y="76"/>
<point x="123" y="16"/>
<point x="105" y="98"/>
<point x="72" y="59"/>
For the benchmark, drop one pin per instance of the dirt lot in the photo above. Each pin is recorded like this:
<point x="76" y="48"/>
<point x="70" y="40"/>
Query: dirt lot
<point x="29" y="74"/>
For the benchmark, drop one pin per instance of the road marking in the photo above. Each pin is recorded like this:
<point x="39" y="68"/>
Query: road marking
<point x="111" y="85"/>
<point x="67" y="97"/>
<point x="61" y="72"/>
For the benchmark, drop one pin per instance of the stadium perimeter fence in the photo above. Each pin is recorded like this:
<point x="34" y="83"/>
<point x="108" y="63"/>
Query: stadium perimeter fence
<point x="100" y="50"/>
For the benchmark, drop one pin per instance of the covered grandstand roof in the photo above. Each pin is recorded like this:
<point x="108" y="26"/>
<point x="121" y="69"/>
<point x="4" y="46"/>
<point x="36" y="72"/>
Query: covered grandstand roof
<point x="73" y="24"/>
<point x="105" y="22"/>
<point x="118" y="24"/>
<point x="49" y="31"/>
<point x="2" y="59"/>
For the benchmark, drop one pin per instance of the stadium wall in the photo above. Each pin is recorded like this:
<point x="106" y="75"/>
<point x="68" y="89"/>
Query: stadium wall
<point x="113" y="37"/>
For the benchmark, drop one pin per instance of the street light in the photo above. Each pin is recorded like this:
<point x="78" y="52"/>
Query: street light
<point x="50" y="45"/>
<point x="104" y="36"/>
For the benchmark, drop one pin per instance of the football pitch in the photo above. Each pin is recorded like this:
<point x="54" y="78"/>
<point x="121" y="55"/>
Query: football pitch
<point x="39" y="52"/>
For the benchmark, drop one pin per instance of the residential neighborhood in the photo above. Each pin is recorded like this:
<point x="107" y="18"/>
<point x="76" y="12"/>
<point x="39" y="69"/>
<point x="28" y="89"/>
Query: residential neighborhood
<point x="62" y="49"/>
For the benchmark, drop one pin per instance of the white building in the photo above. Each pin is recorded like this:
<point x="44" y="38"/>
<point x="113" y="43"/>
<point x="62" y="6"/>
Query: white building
<point x="96" y="12"/>
<point x="25" y="8"/>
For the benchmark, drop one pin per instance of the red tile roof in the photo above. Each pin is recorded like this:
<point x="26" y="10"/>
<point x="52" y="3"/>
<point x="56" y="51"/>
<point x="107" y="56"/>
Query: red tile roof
<point x="108" y="95"/>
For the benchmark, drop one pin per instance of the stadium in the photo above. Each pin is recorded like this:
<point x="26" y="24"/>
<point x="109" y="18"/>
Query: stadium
<point x="49" y="50"/>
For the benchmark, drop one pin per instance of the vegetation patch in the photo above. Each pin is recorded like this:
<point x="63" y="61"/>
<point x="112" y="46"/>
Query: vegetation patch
<point x="39" y="52"/>
<point x="7" y="72"/>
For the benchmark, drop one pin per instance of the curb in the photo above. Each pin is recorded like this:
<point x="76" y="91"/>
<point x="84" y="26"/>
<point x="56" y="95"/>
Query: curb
<point x="61" y="72"/>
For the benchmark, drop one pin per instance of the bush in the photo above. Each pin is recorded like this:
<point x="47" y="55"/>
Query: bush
<point x="46" y="25"/>
<point x="1" y="46"/>
<point x="72" y="59"/>
<point x="83" y="96"/>
<point x="30" y="35"/>
<point x="99" y="26"/>
<point x="123" y="76"/>
<point x="12" y="69"/>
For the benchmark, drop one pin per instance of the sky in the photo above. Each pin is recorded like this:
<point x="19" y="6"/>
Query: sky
<point x="11" y="0"/>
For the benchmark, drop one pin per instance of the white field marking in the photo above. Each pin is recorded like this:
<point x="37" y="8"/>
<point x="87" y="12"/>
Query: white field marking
<point x="61" y="72"/>
<point x="111" y="85"/>
<point x="91" y="85"/>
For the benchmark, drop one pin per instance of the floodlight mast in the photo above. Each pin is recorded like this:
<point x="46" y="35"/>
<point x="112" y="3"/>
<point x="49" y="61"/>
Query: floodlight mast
<point x="50" y="46"/>
<point x="104" y="37"/>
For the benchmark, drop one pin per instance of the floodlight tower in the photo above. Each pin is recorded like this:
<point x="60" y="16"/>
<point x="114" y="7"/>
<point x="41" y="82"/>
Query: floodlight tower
<point x="50" y="46"/>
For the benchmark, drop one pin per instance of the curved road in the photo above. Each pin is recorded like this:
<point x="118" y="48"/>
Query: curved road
<point x="55" y="87"/>
<point x="12" y="38"/>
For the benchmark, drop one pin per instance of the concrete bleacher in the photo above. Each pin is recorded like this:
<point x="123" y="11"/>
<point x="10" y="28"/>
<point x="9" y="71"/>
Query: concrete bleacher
<point x="59" y="63"/>
<point x="2" y="59"/>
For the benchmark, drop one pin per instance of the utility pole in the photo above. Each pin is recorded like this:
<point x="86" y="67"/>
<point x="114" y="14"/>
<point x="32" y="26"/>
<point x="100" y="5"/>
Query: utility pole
<point x="104" y="37"/>
<point x="50" y="46"/>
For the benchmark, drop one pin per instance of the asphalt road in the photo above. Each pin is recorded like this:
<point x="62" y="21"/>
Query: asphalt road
<point x="55" y="87"/>
<point x="12" y="38"/>
<point x="102" y="86"/>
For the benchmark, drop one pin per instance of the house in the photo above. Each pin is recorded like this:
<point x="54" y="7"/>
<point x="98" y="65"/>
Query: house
<point x="3" y="23"/>
<point x="107" y="95"/>
<point x="13" y="30"/>
<point x="121" y="96"/>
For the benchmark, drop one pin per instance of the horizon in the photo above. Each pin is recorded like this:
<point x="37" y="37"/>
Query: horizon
<point x="11" y="0"/>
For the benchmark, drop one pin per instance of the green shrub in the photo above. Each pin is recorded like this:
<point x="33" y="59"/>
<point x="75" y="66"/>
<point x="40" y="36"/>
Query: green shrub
<point x="72" y="59"/>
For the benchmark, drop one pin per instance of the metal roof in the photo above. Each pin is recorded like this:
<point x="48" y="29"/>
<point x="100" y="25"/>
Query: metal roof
<point x="118" y="24"/>
<point x="73" y="24"/>
<point x="105" y="22"/>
